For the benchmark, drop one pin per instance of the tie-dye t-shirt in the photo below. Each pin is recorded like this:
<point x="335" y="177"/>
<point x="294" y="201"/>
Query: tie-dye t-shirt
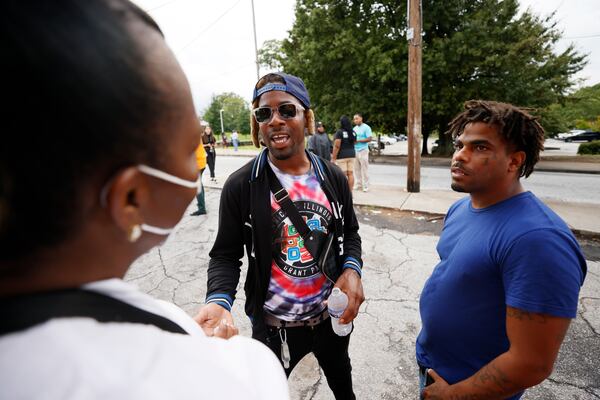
<point x="297" y="288"/>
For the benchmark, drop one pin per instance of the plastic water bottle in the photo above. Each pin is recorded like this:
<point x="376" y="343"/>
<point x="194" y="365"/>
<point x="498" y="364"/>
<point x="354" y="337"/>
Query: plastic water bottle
<point x="336" y="305"/>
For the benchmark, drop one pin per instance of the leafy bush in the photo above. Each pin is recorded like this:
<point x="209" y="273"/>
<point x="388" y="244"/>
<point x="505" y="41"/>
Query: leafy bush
<point x="589" y="148"/>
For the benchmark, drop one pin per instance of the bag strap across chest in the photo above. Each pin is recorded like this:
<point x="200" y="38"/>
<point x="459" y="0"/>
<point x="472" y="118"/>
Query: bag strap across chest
<point x="22" y="312"/>
<point x="282" y="197"/>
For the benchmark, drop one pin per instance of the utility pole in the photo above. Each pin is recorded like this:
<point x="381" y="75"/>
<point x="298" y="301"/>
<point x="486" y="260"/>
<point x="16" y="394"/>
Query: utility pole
<point x="221" y="114"/>
<point x="255" y="43"/>
<point x="414" y="37"/>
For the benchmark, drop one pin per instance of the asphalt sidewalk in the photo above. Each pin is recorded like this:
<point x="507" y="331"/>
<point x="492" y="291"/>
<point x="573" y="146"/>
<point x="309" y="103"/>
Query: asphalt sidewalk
<point x="396" y="266"/>
<point x="583" y="218"/>
<point x="382" y="346"/>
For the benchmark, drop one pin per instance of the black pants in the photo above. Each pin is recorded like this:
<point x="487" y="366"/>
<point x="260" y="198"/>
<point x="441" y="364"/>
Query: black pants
<point x="330" y="350"/>
<point x="210" y="160"/>
<point x="200" y="196"/>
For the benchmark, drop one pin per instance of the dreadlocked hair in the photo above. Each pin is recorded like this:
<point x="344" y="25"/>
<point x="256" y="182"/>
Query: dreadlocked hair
<point x="520" y="129"/>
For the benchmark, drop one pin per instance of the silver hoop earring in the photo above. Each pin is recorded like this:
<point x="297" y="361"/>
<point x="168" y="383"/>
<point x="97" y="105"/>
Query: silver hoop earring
<point x="134" y="233"/>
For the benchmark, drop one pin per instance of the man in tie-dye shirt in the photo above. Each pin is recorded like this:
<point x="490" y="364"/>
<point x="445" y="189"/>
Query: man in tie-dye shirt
<point x="285" y="287"/>
<point x="297" y="289"/>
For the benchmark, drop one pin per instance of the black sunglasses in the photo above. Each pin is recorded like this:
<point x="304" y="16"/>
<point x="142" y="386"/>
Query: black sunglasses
<point x="286" y="111"/>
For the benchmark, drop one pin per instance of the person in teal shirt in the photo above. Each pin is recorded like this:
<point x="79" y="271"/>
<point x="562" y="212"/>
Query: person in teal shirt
<point x="361" y="146"/>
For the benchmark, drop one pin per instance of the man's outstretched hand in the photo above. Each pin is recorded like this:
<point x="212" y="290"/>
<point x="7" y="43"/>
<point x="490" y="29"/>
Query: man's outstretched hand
<point x="216" y="321"/>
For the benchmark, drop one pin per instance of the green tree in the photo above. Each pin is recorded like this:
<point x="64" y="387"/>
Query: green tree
<point x="270" y="54"/>
<point x="553" y="120"/>
<point x="585" y="104"/>
<point x="236" y="113"/>
<point x="579" y="110"/>
<point x="353" y="58"/>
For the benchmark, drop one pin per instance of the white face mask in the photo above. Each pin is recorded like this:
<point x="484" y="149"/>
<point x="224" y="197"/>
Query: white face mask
<point x="156" y="173"/>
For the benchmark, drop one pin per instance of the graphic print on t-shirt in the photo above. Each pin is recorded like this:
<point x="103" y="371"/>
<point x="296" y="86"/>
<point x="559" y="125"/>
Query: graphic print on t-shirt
<point x="297" y="288"/>
<point x="291" y="256"/>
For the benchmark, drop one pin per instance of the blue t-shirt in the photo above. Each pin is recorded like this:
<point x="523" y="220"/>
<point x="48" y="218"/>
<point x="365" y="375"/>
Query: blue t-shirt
<point x="515" y="253"/>
<point x="362" y="131"/>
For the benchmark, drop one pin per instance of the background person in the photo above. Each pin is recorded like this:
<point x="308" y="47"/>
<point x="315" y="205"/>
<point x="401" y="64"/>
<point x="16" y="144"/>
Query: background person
<point x="118" y="150"/>
<point x="201" y="165"/>
<point x="343" y="149"/>
<point x="235" y="140"/>
<point x="319" y="143"/>
<point x="209" y="142"/>
<point x="224" y="139"/>
<point x="361" y="162"/>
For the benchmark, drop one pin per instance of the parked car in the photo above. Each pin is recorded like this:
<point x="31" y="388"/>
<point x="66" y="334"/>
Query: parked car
<point x="400" y="137"/>
<point x="387" y="139"/>
<point x="584" y="137"/>
<point x="572" y="132"/>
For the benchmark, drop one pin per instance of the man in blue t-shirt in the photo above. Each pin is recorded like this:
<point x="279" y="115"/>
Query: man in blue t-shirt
<point x="361" y="147"/>
<point x="498" y="305"/>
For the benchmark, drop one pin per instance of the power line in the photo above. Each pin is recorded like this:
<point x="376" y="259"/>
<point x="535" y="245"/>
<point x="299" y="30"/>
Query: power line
<point x="594" y="35"/>
<point x="209" y="26"/>
<point x="161" y="5"/>
<point x="229" y="72"/>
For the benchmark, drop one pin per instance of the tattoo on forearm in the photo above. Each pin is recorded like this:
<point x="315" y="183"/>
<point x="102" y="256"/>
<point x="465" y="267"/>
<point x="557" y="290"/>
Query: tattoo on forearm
<point x="491" y="373"/>
<point x="491" y="382"/>
<point x="525" y="315"/>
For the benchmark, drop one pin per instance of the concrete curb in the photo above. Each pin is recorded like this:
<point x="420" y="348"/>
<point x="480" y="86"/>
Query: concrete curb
<point x="435" y="204"/>
<point x="595" y="236"/>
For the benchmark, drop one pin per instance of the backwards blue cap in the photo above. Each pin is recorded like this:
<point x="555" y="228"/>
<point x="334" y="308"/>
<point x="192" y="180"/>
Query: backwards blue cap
<point x="293" y="85"/>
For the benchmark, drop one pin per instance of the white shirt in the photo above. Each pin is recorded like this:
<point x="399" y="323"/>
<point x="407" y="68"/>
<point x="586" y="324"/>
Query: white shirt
<point x="80" y="358"/>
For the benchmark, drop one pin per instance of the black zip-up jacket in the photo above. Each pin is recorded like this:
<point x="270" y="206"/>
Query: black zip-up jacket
<point x="245" y="221"/>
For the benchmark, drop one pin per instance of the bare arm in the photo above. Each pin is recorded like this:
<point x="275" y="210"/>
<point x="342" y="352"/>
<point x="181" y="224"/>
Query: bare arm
<point x="337" y="143"/>
<point x="368" y="138"/>
<point x="534" y="343"/>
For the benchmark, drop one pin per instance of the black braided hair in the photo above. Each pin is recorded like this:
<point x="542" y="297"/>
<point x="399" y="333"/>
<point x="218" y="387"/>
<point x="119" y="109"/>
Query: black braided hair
<point x="520" y="129"/>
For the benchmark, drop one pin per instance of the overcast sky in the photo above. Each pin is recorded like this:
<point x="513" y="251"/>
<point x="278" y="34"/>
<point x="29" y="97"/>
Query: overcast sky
<point x="214" y="41"/>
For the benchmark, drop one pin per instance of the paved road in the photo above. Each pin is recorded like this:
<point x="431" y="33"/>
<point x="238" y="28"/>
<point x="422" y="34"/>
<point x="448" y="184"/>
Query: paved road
<point x="397" y="264"/>
<point x="567" y="187"/>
